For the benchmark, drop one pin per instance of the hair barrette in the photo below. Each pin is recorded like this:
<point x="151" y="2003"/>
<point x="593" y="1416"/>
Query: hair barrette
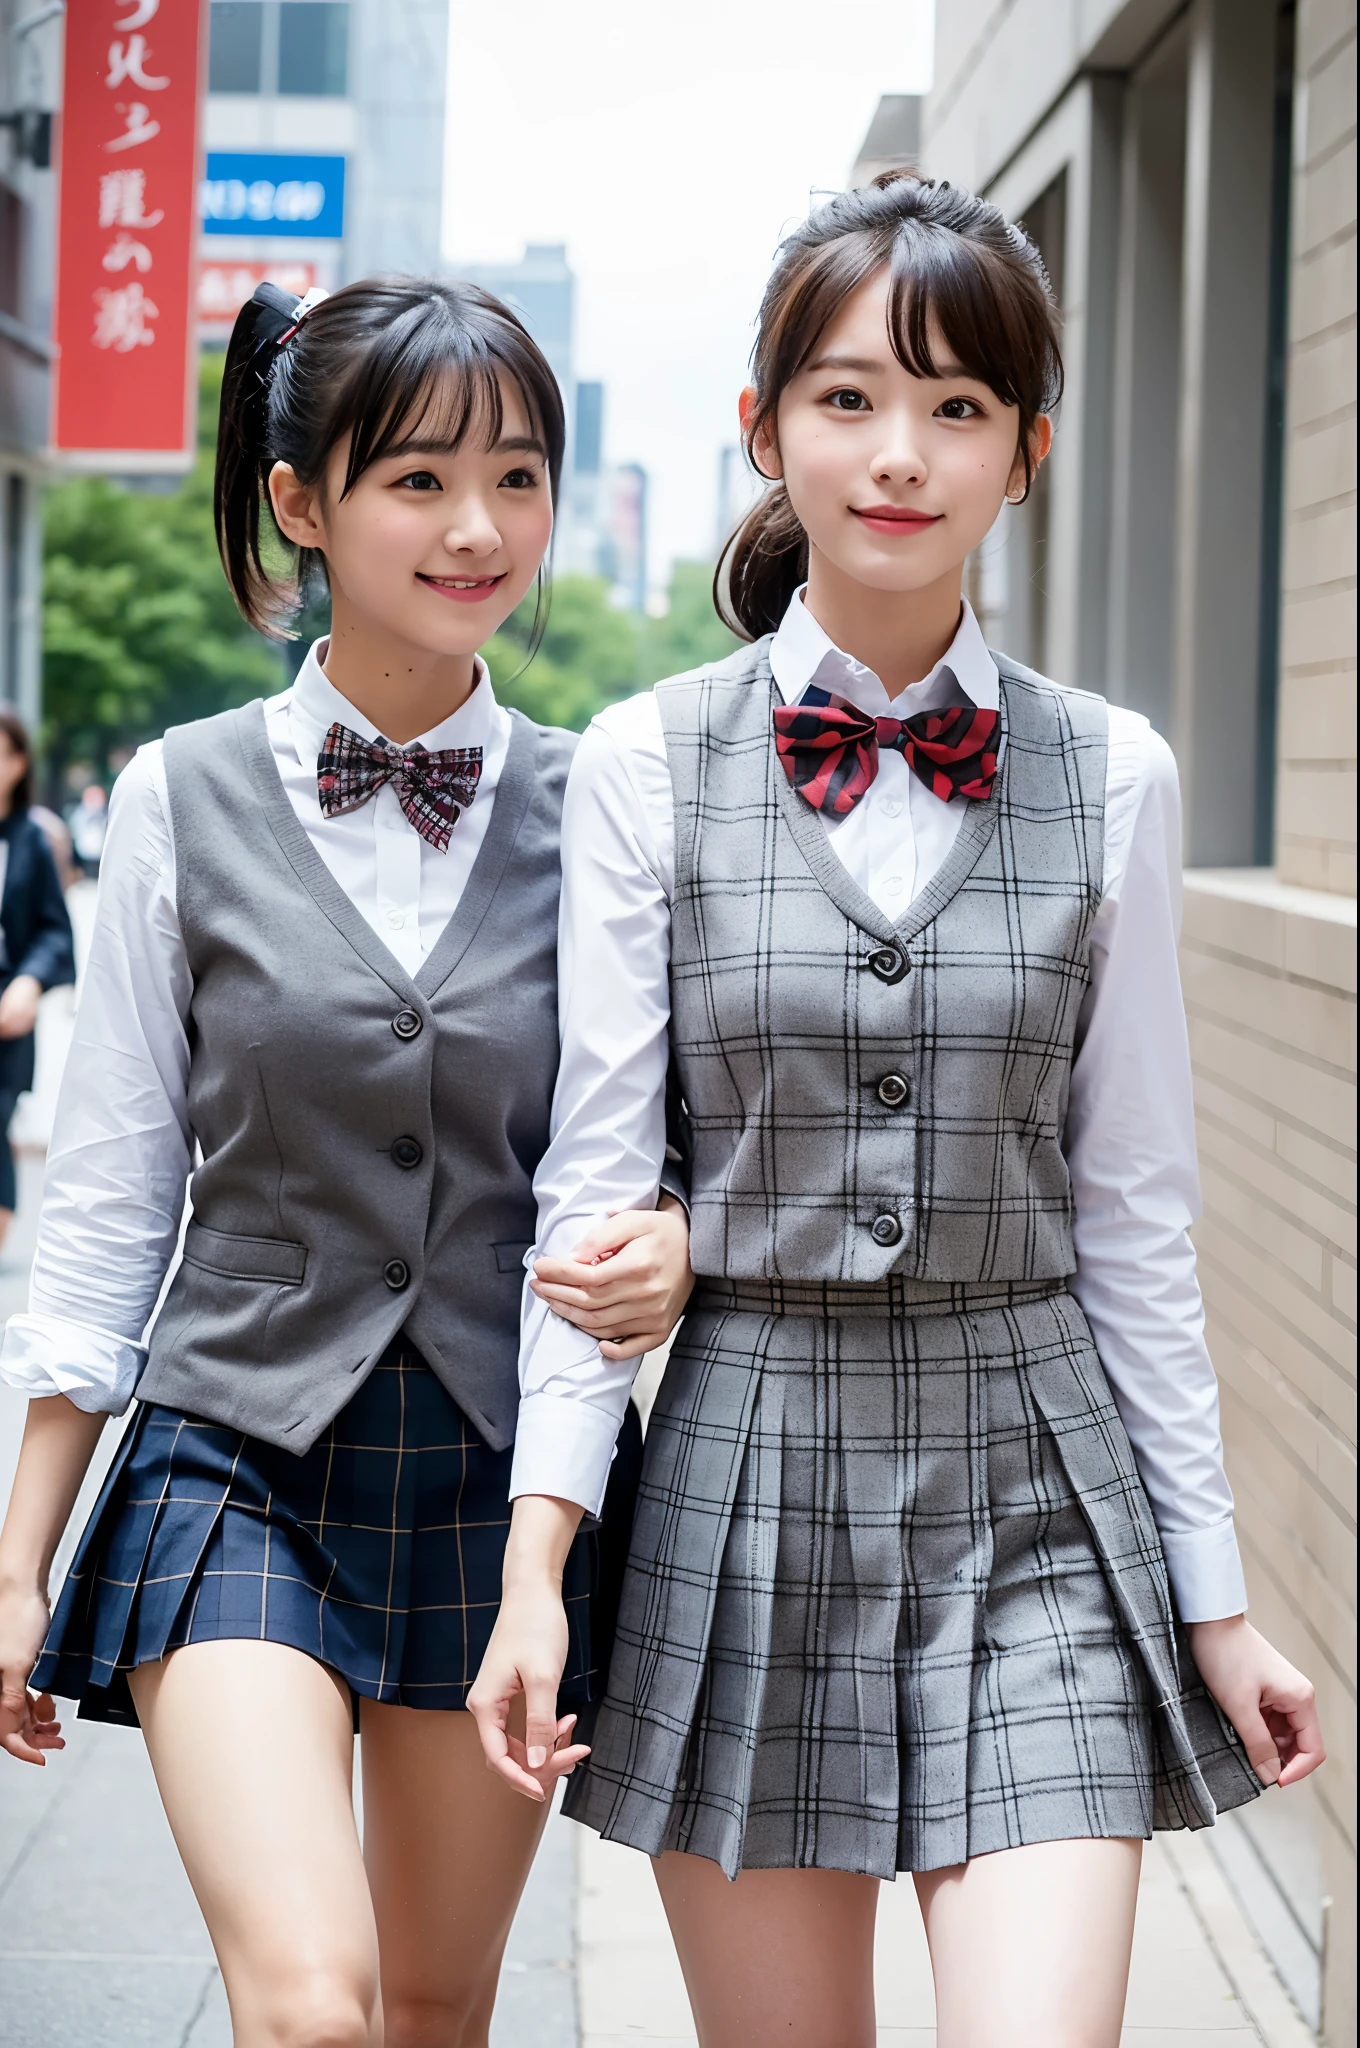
<point x="306" y="304"/>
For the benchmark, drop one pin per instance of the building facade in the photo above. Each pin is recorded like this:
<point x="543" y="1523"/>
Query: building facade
<point x="325" y="145"/>
<point x="601" y="525"/>
<point x="1188" y="171"/>
<point x="30" y="85"/>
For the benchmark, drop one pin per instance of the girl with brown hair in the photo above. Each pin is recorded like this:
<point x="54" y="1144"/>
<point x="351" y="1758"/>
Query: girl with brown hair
<point x="325" y="957"/>
<point x="933" y="1569"/>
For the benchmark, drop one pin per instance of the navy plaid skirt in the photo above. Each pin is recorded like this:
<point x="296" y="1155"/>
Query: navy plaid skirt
<point x="378" y="1552"/>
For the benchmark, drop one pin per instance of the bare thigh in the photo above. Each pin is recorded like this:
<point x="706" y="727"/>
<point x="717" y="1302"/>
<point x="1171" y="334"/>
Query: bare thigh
<point x="252" y="1745"/>
<point x="448" y="1848"/>
<point x="780" y="1959"/>
<point x="1030" y="1947"/>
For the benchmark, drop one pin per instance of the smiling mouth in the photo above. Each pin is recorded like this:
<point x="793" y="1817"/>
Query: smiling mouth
<point x="895" y="518"/>
<point x="463" y="589"/>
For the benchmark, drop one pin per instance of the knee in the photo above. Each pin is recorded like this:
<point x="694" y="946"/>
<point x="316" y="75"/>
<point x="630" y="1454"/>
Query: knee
<point x="437" y="2023"/>
<point x="324" y="2013"/>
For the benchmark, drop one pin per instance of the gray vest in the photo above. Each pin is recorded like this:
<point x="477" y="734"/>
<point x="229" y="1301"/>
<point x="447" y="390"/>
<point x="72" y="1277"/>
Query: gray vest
<point x="369" y="1140"/>
<point x="868" y="1098"/>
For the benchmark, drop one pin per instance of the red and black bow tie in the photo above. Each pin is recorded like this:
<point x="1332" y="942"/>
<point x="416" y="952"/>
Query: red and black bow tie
<point x="432" y="788"/>
<point x="829" y="748"/>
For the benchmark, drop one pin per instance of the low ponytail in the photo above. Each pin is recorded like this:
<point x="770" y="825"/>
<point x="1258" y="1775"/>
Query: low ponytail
<point x="243" y="460"/>
<point x="761" y="566"/>
<point x="959" y="273"/>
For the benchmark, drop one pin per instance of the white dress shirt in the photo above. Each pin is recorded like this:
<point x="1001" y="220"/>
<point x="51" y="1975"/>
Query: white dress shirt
<point x="1129" y="1141"/>
<point x="121" y="1149"/>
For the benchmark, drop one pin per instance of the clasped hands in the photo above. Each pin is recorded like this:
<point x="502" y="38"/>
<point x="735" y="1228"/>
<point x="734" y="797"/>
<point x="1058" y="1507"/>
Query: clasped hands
<point x="626" y="1283"/>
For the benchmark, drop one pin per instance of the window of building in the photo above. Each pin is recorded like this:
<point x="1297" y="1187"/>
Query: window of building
<point x="299" y="47"/>
<point x="313" y="47"/>
<point x="236" y="42"/>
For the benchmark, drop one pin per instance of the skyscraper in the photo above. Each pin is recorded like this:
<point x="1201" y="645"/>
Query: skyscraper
<point x="325" y="141"/>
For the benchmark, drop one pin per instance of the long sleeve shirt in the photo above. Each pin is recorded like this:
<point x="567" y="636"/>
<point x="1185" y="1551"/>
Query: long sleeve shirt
<point x="1129" y="1139"/>
<point x="121" y="1149"/>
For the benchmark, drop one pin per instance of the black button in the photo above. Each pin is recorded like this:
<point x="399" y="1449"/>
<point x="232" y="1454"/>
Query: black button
<point x="410" y="1151"/>
<point x="893" y="1091"/>
<point x="397" y="1273"/>
<point x="408" y="1024"/>
<point x="888" y="964"/>
<point x="886" y="1230"/>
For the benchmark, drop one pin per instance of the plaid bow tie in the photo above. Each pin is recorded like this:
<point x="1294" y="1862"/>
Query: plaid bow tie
<point x="431" y="788"/>
<point x="829" y="749"/>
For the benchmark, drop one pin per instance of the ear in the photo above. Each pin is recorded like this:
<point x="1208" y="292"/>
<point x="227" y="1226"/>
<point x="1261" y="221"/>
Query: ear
<point x="764" y="449"/>
<point x="1040" y="442"/>
<point x="296" y="508"/>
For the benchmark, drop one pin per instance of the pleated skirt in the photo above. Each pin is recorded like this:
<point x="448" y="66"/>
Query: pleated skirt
<point x="895" y="1596"/>
<point x="378" y="1552"/>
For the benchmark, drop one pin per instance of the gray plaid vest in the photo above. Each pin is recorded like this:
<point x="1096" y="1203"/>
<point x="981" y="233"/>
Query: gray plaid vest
<point x="369" y="1140"/>
<point x="868" y="1098"/>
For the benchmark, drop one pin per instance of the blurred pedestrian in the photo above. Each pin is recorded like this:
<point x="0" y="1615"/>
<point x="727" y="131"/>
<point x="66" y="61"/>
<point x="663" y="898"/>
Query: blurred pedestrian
<point x="36" y="952"/>
<point x="89" y="823"/>
<point x="57" y="833"/>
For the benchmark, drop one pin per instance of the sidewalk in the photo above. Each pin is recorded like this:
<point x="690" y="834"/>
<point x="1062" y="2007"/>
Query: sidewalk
<point x="102" y="1944"/>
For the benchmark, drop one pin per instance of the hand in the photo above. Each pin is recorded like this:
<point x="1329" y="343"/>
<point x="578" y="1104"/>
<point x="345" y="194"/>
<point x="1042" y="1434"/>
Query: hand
<point x="627" y="1282"/>
<point x="1270" y="1704"/>
<point x="527" y="1651"/>
<point x="27" y="1727"/>
<point x="19" y="1006"/>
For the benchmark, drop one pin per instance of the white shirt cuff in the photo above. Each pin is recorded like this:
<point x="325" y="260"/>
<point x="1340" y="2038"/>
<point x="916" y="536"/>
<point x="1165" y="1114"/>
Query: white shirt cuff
<point x="563" y="1448"/>
<point x="43" y="1355"/>
<point x="1205" y="1570"/>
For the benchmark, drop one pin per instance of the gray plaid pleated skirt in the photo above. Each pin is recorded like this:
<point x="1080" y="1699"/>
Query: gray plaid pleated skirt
<point x="895" y="1597"/>
<point x="378" y="1552"/>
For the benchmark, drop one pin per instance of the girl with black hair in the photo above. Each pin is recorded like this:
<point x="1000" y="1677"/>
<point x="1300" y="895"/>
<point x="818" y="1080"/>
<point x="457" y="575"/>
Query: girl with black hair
<point x="325" y="958"/>
<point x="933" y="1568"/>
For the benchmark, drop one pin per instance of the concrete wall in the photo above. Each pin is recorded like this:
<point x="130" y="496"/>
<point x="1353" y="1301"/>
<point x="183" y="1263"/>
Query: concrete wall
<point x="1166" y="305"/>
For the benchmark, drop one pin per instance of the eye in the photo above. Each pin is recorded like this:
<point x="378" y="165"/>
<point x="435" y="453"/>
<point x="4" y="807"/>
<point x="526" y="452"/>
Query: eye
<point x="519" y="480"/>
<point x="420" y="480"/>
<point x="848" y="401"/>
<point x="959" y="409"/>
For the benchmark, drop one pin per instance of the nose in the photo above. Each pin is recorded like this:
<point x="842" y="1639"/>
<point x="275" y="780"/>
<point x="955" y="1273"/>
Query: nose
<point x="900" y="456"/>
<point x="471" y="529"/>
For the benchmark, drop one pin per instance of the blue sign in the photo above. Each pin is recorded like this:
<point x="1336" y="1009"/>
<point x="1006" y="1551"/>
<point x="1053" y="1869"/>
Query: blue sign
<point x="273" y="195"/>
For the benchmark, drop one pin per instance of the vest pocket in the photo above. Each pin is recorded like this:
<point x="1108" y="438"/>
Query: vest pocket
<point x="510" y="1256"/>
<point x="245" y="1258"/>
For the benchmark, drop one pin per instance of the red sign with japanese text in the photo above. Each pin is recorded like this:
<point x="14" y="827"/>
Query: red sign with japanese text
<point x="125" y="322"/>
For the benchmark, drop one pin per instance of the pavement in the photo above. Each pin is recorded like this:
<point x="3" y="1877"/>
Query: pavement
<point x="102" y="1944"/>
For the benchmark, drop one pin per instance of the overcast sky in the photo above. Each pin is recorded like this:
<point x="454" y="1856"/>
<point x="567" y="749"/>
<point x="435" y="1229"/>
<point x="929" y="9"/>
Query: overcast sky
<point x="668" y="145"/>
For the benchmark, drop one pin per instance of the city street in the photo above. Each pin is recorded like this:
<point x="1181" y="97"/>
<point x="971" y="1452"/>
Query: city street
<point x="102" y="1944"/>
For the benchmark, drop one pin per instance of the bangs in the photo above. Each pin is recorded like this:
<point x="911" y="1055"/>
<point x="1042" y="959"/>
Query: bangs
<point x="436" y="381"/>
<point x="959" y="289"/>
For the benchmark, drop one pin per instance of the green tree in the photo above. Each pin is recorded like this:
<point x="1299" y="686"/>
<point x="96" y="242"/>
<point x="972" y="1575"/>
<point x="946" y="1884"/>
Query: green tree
<point x="589" y="655"/>
<point x="592" y="655"/>
<point x="139" y="628"/>
<point x="690" y="632"/>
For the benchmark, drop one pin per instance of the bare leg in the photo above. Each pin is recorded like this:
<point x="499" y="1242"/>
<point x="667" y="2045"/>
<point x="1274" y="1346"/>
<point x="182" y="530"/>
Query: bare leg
<point x="448" y="1847"/>
<point x="6" y="1218"/>
<point x="252" y="1745"/>
<point x="1054" y="1923"/>
<point x="780" y="1959"/>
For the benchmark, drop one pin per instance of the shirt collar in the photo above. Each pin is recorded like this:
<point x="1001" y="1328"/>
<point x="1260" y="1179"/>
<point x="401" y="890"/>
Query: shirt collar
<point x="314" y="705"/>
<point x="802" y="653"/>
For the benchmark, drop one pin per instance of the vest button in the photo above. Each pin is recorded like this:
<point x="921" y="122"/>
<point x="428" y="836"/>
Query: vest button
<point x="893" y="1090"/>
<point x="397" y="1274"/>
<point x="886" y="1230"/>
<point x="889" y="964"/>
<point x="408" y="1024"/>
<point x="410" y="1151"/>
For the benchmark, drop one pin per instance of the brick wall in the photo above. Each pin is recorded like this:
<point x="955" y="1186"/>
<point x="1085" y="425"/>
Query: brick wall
<point x="1315" y="843"/>
<point x="1269" y="975"/>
